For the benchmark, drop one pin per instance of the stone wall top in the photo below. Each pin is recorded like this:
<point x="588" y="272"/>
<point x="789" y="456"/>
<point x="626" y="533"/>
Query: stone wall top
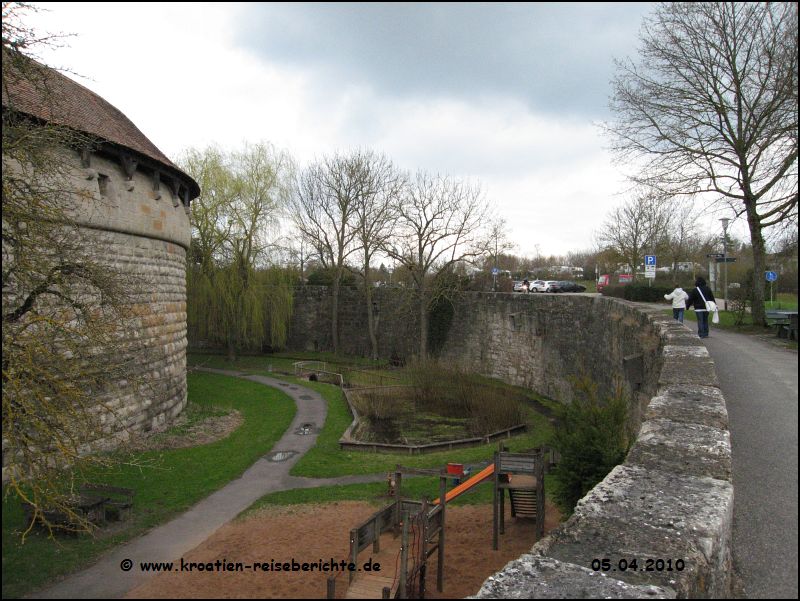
<point x="671" y="500"/>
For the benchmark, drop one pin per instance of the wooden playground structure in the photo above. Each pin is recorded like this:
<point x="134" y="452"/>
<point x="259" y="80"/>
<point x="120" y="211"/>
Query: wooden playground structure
<point x="406" y="533"/>
<point x="522" y="475"/>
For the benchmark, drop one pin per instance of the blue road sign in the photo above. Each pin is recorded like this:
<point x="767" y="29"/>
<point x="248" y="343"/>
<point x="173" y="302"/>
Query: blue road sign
<point x="649" y="259"/>
<point x="771" y="276"/>
<point x="495" y="270"/>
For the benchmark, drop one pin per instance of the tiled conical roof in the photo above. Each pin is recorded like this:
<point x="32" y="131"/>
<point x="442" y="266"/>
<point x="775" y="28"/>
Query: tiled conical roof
<point x="46" y="94"/>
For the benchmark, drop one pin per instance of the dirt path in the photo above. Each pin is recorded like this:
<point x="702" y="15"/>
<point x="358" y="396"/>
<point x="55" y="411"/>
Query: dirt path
<point x="309" y="533"/>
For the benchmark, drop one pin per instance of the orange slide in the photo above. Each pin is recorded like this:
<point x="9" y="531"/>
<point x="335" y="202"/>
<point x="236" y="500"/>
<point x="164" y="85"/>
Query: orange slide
<point x="465" y="486"/>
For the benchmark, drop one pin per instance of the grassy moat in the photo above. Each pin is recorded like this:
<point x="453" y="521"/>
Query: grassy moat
<point x="438" y="405"/>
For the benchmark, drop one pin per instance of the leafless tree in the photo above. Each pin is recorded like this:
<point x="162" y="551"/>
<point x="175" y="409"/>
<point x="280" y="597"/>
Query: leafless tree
<point x="637" y="227"/>
<point x="374" y="218"/>
<point x="323" y="210"/>
<point x="66" y="308"/>
<point x="439" y="223"/>
<point x="683" y="236"/>
<point x="711" y="108"/>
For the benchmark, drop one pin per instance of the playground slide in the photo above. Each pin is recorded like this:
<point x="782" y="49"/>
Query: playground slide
<point x="467" y="485"/>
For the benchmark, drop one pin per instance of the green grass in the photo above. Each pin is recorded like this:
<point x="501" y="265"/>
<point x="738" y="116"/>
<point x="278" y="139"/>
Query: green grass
<point x="325" y="460"/>
<point x="377" y="493"/>
<point x="175" y="481"/>
<point x="783" y="301"/>
<point x="179" y="478"/>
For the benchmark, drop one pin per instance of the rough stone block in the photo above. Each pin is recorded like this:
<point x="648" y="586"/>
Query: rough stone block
<point x="641" y="514"/>
<point x="688" y="367"/>
<point x="532" y="577"/>
<point x="682" y="448"/>
<point x="690" y="404"/>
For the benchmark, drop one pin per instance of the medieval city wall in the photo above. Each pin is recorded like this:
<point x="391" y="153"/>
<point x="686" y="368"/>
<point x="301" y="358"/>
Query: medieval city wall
<point x="669" y="506"/>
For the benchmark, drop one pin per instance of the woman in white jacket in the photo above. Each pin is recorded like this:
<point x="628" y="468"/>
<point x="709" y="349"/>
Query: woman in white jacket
<point x="678" y="298"/>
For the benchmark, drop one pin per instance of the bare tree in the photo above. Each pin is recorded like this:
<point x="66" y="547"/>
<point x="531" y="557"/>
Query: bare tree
<point x="374" y="216"/>
<point x="683" y="236"/>
<point x="323" y="209"/>
<point x="637" y="227"/>
<point x="65" y="307"/>
<point x="439" y="223"/>
<point x="498" y="245"/>
<point x="712" y="108"/>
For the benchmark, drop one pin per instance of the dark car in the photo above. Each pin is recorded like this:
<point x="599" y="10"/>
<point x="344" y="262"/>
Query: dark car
<point x="566" y="286"/>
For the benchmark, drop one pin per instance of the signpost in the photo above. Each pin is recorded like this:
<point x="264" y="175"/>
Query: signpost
<point x="771" y="277"/>
<point x="650" y="266"/>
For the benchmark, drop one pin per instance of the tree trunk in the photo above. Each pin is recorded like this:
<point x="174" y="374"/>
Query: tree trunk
<point x="335" y="312"/>
<point x="423" y="325"/>
<point x="373" y="339"/>
<point x="759" y="263"/>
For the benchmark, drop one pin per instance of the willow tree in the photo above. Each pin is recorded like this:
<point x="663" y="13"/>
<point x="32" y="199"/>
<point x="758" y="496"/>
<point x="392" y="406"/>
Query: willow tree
<point x="232" y="297"/>
<point x="711" y="108"/>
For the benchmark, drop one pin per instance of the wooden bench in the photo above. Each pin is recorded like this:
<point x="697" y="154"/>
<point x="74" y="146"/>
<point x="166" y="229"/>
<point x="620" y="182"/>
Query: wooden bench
<point x="785" y="322"/>
<point x="119" y="501"/>
<point x="90" y="507"/>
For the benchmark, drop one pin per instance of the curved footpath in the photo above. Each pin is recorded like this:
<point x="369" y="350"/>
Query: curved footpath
<point x="169" y="542"/>
<point x="759" y="382"/>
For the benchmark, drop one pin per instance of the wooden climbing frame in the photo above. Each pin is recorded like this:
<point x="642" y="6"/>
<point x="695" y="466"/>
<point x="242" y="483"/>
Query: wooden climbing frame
<point x="522" y="475"/>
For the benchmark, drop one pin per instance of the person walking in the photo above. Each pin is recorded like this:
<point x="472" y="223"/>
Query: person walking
<point x="698" y="300"/>
<point x="678" y="297"/>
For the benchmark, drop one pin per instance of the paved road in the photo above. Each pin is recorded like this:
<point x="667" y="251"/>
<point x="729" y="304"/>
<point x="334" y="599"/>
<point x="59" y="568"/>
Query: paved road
<point x="759" y="381"/>
<point x="169" y="542"/>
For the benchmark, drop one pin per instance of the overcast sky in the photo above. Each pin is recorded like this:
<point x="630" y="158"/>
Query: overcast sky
<point x="508" y="95"/>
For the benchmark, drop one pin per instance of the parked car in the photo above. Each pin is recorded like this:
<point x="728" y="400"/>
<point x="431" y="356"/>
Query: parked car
<point x="567" y="286"/>
<point x="538" y="286"/>
<point x="551" y="286"/>
<point x="519" y="286"/>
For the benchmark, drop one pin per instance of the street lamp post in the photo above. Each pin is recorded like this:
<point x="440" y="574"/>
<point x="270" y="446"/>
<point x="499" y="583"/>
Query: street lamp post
<point x="725" y="221"/>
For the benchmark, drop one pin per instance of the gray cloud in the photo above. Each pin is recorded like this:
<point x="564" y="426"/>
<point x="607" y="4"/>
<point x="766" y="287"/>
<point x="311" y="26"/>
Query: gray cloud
<point x="556" y="58"/>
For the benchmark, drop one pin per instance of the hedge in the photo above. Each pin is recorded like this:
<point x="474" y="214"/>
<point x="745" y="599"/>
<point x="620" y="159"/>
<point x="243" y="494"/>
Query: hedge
<point x="638" y="292"/>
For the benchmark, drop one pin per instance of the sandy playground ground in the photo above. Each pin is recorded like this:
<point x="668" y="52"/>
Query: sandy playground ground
<point x="309" y="533"/>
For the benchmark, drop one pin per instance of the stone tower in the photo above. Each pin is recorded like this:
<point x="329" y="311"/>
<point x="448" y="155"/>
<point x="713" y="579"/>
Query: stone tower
<point x="131" y="204"/>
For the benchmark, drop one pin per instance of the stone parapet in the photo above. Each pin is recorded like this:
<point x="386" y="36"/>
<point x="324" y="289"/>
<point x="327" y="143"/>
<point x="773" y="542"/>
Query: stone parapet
<point x="671" y="500"/>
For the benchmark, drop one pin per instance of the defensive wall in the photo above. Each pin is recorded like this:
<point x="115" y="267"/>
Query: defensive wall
<point x="141" y="231"/>
<point x="669" y="506"/>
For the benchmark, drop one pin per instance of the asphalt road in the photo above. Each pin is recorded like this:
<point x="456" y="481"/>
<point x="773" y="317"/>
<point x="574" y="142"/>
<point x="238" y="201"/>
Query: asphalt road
<point x="759" y="381"/>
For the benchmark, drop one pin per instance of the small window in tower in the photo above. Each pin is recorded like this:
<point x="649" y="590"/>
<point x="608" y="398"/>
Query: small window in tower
<point x="102" y="181"/>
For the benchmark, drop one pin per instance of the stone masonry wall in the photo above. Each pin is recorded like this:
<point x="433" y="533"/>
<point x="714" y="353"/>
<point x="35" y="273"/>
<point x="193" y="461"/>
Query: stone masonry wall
<point x="671" y="500"/>
<point x="141" y="231"/>
<point x="544" y="342"/>
<point x="310" y="328"/>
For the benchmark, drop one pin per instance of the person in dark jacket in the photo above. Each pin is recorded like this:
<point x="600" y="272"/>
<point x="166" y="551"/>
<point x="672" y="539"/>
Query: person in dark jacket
<point x="697" y="302"/>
